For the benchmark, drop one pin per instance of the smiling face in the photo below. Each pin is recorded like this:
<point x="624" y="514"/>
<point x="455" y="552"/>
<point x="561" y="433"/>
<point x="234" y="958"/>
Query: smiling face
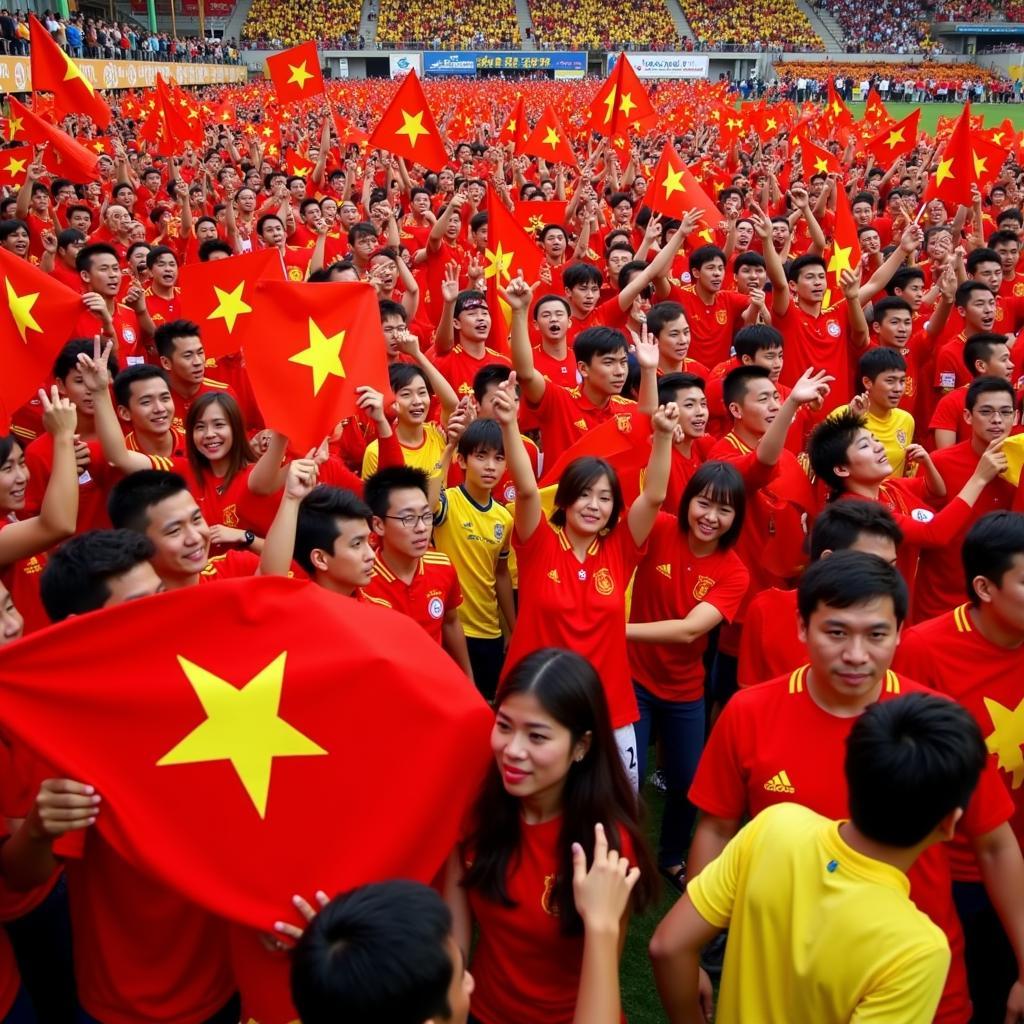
<point x="589" y="514"/>
<point x="150" y="406"/>
<point x="13" y="480"/>
<point x="212" y="434"/>
<point x="866" y="460"/>
<point x="181" y="537"/>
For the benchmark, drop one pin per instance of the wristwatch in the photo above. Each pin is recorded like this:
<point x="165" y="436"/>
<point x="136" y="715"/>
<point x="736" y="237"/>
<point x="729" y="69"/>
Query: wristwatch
<point x="247" y="539"/>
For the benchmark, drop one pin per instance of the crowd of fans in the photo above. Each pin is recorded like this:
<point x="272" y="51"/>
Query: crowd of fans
<point x="761" y="25"/>
<point x="456" y="23"/>
<point x="278" y="23"/>
<point x="901" y="28"/>
<point x="910" y="83"/>
<point x="591" y="23"/>
<point x="96" y="39"/>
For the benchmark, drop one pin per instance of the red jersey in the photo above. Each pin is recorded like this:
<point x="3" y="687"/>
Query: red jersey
<point x="770" y="645"/>
<point x="524" y="968"/>
<point x="822" y="342"/>
<point x="774" y="744"/>
<point x="459" y="367"/>
<point x="182" y="404"/>
<point x="950" y="371"/>
<point x="684" y="467"/>
<point x="950" y="654"/>
<point x="433" y="592"/>
<point x="940" y="572"/>
<point x="713" y="325"/>
<point x="562" y="372"/>
<point x="93" y="484"/>
<point x="163" y="311"/>
<point x="128" y="346"/>
<point x="917" y="355"/>
<point x="232" y="565"/>
<point x="68" y="276"/>
<point x="566" y="414"/>
<point x="670" y="582"/>
<point x="949" y="414"/>
<point x="581" y="606"/>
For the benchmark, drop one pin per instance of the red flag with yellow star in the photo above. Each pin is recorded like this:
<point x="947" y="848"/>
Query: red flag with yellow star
<point x="64" y="156"/>
<point x="54" y="71"/>
<point x="875" y="111"/>
<point x="844" y="253"/>
<point x="673" y="190"/>
<point x="517" y="128"/>
<point x="533" y="214"/>
<point x="895" y="140"/>
<point x="952" y="179"/>
<point x="619" y="102"/>
<point x="989" y="158"/>
<point x="549" y="140"/>
<point x="14" y="165"/>
<point x="307" y="348"/>
<point x="296" y="73"/>
<point x="836" y="113"/>
<point x="407" y="128"/>
<point x="37" y="314"/>
<point x="241" y="734"/>
<point x="816" y="160"/>
<point x="220" y="295"/>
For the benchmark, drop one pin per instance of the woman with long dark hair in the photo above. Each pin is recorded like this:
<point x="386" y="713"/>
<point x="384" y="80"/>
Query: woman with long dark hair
<point x="556" y="774"/>
<point x="688" y="582"/>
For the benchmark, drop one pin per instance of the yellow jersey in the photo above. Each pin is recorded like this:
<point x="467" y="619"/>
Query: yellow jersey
<point x="425" y="457"/>
<point x="818" y="933"/>
<point x="475" y="538"/>
<point x="896" y="432"/>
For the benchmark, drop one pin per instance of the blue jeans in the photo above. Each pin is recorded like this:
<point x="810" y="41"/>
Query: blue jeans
<point x="679" y="726"/>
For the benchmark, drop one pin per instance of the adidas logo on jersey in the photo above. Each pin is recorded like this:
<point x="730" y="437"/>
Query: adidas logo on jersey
<point x="553" y="575"/>
<point x="665" y="569"/>
<point x="780" y="783"/>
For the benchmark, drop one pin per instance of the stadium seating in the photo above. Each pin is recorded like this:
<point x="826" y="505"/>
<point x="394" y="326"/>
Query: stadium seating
<point x="291" y="22"/>
<point x="593" y="23"/>
<point x="756" y="25"/>
<point x="451" y="23"/>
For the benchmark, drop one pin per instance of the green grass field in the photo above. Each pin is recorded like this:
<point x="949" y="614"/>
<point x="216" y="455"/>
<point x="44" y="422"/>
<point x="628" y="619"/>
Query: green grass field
<point x="931" y="112"/>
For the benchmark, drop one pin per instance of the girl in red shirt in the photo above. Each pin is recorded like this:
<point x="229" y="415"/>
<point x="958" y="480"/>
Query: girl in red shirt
<point x="687" y="583"/>
<point x="556" y="775"/>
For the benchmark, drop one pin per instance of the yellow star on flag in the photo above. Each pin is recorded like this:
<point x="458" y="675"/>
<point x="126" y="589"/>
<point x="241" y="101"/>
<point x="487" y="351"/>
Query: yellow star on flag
<point x="734" y="123"/>
<point x="242" y="726"/>
<point x="673" y="182"/>
<point x="21" y="309"/>
<point x="299" y="75"/>
<point x="14" y="125"/>
<point x="551" y="139"/>
<point x="840" y="260"/>
<point x="609" y="102"/>
<point x="707" y="235"/>
<point x="1006" y="738"/>
<point x="230" y="306"/>
<point x="836" y="108"/>
<point x="771" y="124"/>
<point x="412" y="126"/>
<point x="944" y="171"/>
<point x="73" y="71"/>
<point x="894" y="138"/>
<point x="821" y="164"/>
<point x="15" y="166"/>
<point x="627" y="106"/>
<point x="323" y="356"/>
<point x="499" y="263"/>
<point x="980" y="163"/>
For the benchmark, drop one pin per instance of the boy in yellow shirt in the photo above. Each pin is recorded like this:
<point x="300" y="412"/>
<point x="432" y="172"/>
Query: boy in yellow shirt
<point x="821" y="927"/>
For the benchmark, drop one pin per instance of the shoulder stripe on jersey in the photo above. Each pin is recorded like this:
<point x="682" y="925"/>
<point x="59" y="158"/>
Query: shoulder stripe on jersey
<point x="381" y="570"/>
<point x="962" y="620"/>
<point x="892" y="682"/>
<point x="796" y="680"/>
<point x="376" y="600"/>
<point x="215" y="384"/>
<point x="436" y="558"/>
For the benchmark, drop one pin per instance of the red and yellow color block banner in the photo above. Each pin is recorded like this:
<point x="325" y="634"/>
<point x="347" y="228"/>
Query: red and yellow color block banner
<point x="16" y="76"/>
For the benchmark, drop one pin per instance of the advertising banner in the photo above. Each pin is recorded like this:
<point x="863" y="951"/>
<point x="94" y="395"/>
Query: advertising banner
<point x="15" y="75"/>
<point x="666" y="65"/>
<point x="467" y="63"/>
<point x="402" y="62"/>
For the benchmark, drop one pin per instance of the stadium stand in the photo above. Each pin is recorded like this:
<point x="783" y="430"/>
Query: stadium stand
<point x="757" y="25"/>
<point x="591" y="23"/>
<point x="454" y="23"/>
<point x="290" y="22"/>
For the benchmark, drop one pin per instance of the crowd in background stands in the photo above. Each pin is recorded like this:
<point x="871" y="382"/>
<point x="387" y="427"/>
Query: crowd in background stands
<point x="96" y="39"/>
<point x="758" y="25"/>
<point x="591" y="23"/>
<point x="911" y="83"/>
<point x="963" y="10"/>
<point x="901" y="28"/>
<point x="274" y="24"/>
<point x="486" y="24"/>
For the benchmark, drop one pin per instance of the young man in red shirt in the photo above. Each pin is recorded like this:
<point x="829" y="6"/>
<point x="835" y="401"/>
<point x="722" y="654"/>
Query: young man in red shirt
<point x="145" y="403"/>
<point x="976" y="304"/>
<point x="471" y="323"/>
<point x="770" y="645"/>
<point x="552" y="356"/>
<point x="784" y="741"/>
<point x="162" y="300"/>
<point x="975" y="654"/>
<point x="407" y="575"/>
<point x="668" y="324"/>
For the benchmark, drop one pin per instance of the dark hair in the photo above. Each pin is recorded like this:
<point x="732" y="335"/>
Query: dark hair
<point x="264" y="220"/>
<point x="361" y="229"/>
<point x="722" y="483"/>
<point x="990" y="547"/>
<point x="481" y="435"/>
<point x="596" y="788"/>
<point x="488" y="375"/>
<point x="76" y="577"/>
<point x="967" y="289"/>
<point x="240" y="453"/>
<point x="70" y="236"/>
<point x="388" y="308"/>
<point x="910" y="762"/>
<point x="377" y="953"/>
<point x="671" y="384"/>
<point x="756" y="338"/>
<point x="8" y="228"/>
<point x="978" y="256"/>
<point x="578" y="476"/>
<point x="705" y="254"/>
<point x="841" y="523"/>
<point x="748" y="259"/>
<point x="317" y="526"/>
<point x="8" y="442"/>
<point x="83" y="261"/>
<point x="67" y="358"/>
<point x="132" y="497"/>
<point x="900" y="280"/>
<point x="662" y="313"/>
<point x="580" y="273"/>
<point x="378" y="487"/>
<point x="984" y="386"/>
<point x="980" y="346"/>
<point x="890" y="304"/>
<point x="156" y="252"/>
<point x="131" y="374"/>
<point x="736" y="382"/>
<point x="212" y="245"/>
<point x="879" y="360"/>
<point x="544" y="299"/>
<point x="401" y="375"/>
<point x="547" y="229"/>
<point x="1003" y="237"/>
<point x="829" y="446"/>
<point x="598" y="341"/>
<point x="464" y="298"/>
<point x="849" y="578"/>
<point x="167" y="334"/>
<point x="802" y="262"/>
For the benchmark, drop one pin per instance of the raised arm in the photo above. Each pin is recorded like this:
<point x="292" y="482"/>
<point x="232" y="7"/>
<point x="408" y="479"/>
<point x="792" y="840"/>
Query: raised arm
<point x="644" y="511"/>
<point x="517" y="460"/>
<point x="776" y="271"/>
<point x="519" y="295"/>
<point x="409" y="345"/>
